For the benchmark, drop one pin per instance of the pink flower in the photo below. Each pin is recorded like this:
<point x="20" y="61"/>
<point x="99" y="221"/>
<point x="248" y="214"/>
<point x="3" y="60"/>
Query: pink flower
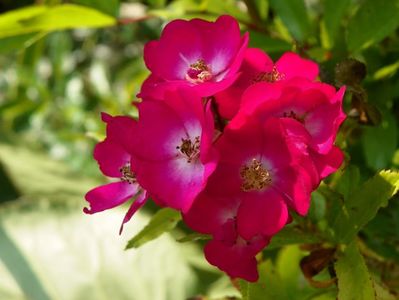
<point x="114" y="161"/>
<point x="258" y="67"/>
<point x="227" y="250"/>
<point x="316" y="106"/>
<point x="173" y="153"/>
<point x="265" y="170"/>
<point x="203" y="55"/>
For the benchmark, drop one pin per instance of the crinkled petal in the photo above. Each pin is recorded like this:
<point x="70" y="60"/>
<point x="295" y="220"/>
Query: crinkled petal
<point x="328" y="163"/>
<point x="295" y="185"/>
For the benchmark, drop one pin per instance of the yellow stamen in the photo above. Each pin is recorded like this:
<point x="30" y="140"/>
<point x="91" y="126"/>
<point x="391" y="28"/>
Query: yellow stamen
<point x="254" y="176"/>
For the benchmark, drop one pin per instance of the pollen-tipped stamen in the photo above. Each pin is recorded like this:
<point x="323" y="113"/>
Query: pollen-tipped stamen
<point x="293" y="115"/>
<point x="272" y="76"/>
<point x="199" y="72"/>
<point x="189" y="148"/>
<point x="254" y="176"/>
<point x="127" y="174"/>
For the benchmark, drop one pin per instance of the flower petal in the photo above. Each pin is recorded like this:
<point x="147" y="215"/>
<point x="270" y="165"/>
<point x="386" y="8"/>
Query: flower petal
<point x="261" y="213"/>
<point x="140" y="200"/>
<point x="109" y="196"/>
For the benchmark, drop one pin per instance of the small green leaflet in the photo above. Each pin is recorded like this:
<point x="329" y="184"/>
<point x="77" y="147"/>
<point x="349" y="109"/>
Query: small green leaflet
<point x="354" y="281"/>
<point x="162" y="221"/>
<point x="362" y="205"/>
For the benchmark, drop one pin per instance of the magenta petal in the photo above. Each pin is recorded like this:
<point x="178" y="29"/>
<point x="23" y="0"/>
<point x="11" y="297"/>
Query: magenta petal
<point x="220" y="41"/>
<point x="111" y="157"/>
<point x="320" y="123"/>
<point x="178" y="47"/>
<point x="295" y="184"/>
<point x="120" y="130"/>
<point x="256" y="61"/>
<point x="109" y="196"/>
<point x="231" y="261"/>
<point x="328" y="163"/>
<point x="210" y="212"/>
<point x="264" y="213"/>
<point x="292" y="65"/>
<point x="134" y="207"/>
<point x="174" y="182"/>
<point x="159" y="131"/>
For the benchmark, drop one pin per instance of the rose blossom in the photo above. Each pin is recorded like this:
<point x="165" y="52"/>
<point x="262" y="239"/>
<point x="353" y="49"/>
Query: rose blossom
<point x="259" y="67"/>
<point x="173" y="153"/>
<point x="114" y="159"/>
<point x="200" y="54"/>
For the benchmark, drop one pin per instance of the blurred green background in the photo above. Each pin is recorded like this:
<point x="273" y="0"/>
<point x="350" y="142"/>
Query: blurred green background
<point x="64" y="62"/>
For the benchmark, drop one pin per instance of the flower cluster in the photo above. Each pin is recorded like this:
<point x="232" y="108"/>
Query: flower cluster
<point x="226" y="136"/>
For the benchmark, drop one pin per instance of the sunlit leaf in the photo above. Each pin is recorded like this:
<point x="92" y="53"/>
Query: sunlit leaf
<point x="163" y="221"/>
<point x="50" y="18"/>
<point x="386" y="71"/>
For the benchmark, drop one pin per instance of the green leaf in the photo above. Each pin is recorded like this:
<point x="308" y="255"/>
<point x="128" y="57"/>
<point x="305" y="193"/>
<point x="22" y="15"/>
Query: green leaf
<point x="50" y="18"/>
<point x="268" y="44"/>
<point x="348" y="181"/>
<point x="380" y="142"/>
<point x="290" y="235"/>
<point x="157" y="3"/>
<point x="294" y="15"/>
<point x="163" y="221"/>
<point x="354" y="281"/>
<point x="386" y="71"/>
<point x="283" y="279"/>
<point x="110" y="7"/>
<point x="334" y="11"/>
<point x="263" y="8"/>
<point x="17" y="43"/>
<point x="372" y="22"/>
<point x="362" y="205"/>
<point x="218" y="7"/>
<point x="192" y="237"/>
